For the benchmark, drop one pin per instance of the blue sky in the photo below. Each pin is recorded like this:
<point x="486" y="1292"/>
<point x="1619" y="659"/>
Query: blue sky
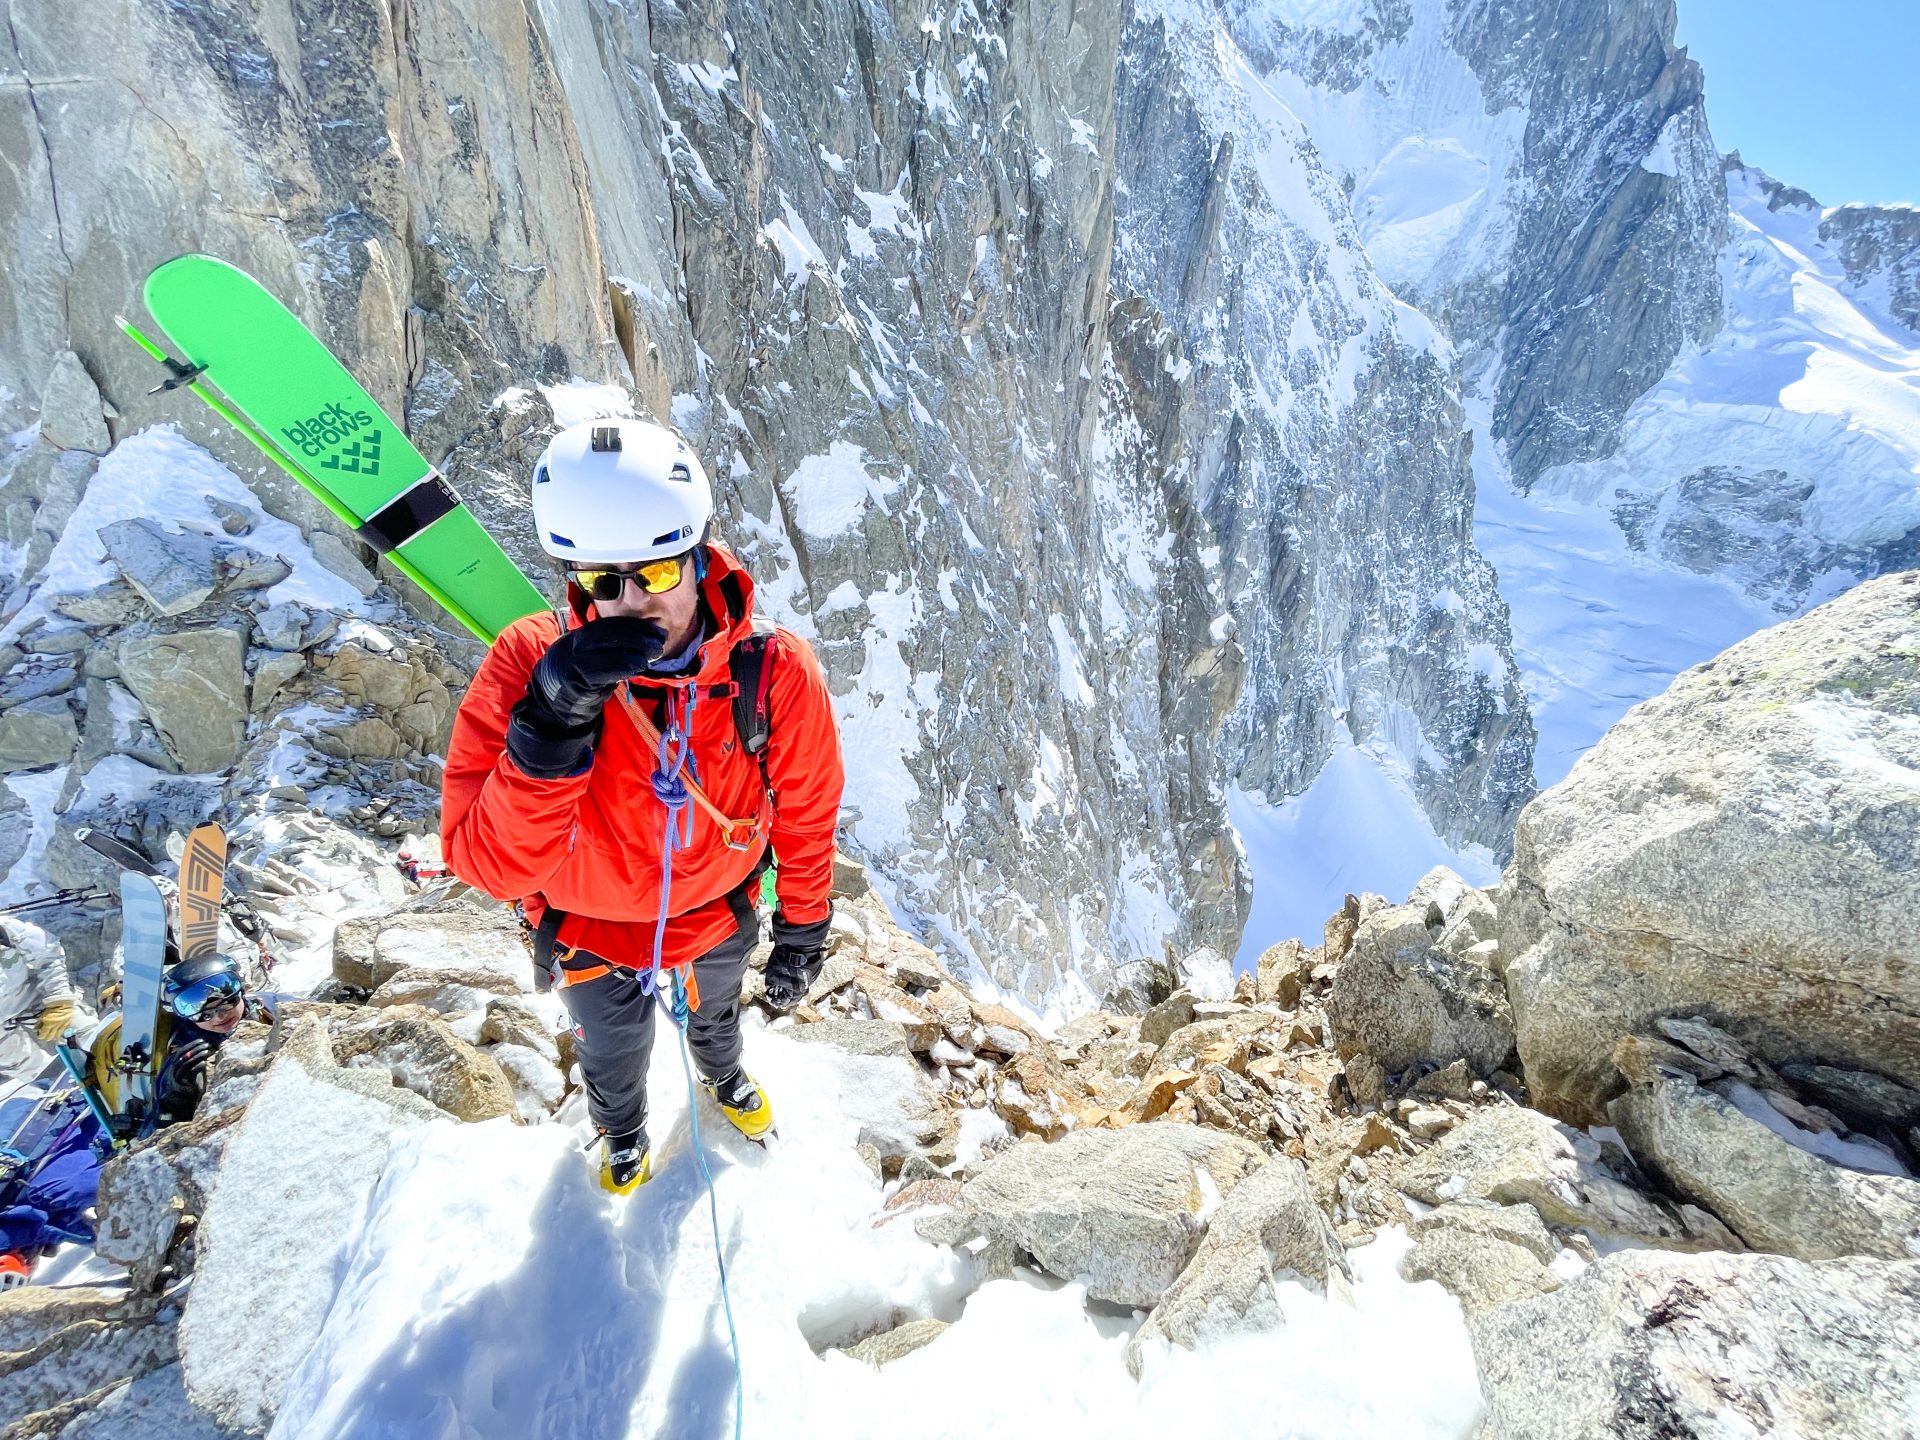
<point x="1818" y="93"/>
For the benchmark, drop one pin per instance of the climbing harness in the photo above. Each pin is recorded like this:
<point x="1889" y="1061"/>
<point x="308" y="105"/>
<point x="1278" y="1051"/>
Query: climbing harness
<point x="738" y="834"/>
<point x="675" y="790"/>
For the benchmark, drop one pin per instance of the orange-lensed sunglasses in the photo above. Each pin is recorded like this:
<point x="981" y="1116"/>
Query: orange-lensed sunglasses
<point x="656" y="577"/>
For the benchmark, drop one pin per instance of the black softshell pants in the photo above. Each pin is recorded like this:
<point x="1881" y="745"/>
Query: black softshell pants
<point x="613" y="1021"/>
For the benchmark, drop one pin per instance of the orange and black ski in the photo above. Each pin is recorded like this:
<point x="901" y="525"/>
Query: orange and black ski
<point x="203" y="869"/>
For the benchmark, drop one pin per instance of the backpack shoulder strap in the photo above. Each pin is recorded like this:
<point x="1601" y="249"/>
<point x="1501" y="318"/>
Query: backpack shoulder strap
<point x="751" y="664"/>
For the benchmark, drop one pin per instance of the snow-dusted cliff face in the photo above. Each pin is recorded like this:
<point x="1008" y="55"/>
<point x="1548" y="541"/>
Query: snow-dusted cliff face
<point x="1699" y="351"/>
<point x="1782" y="454"/>
<point x="1099" y="479"/>
<point x="1537" y="175"/>
<point x="1315" y="422"/>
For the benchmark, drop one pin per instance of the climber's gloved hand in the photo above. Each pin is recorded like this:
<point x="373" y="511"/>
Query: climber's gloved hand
<point x="54" y="1021"/>
<point x="798" y="953"/>
<point x="183" y="1079"/>
<point x="554" y="724"/>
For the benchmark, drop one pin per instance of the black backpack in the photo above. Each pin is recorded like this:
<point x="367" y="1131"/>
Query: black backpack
<point x="751" y="666"/>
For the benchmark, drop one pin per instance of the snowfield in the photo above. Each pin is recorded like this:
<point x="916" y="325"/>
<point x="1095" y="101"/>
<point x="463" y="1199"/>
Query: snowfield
<point x="491" y="1289"/>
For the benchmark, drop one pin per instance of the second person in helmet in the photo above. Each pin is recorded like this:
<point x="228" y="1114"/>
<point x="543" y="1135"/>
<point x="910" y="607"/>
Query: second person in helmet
<point x="581" y="747"/>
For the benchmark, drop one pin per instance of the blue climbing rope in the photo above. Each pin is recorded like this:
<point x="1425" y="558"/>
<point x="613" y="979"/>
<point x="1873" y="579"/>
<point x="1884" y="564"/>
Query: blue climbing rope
<point x="670" y="788"/>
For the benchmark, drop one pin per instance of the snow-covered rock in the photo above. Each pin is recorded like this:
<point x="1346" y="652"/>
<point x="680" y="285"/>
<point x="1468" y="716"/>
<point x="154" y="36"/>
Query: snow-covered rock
<point x="883" y="1091"/>
<point x="293" y="1183"/>
<point x="1123" y="1211"/>
<point x="1268" y="1229"/>
<point x="1771" y="1193"/>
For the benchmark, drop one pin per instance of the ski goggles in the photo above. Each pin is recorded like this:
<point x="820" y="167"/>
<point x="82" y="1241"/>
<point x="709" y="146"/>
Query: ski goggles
<point x="211" y="992"/>
<point x="656" y="577"/>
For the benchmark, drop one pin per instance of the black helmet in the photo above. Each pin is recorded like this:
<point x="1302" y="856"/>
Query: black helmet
<point x="192" y="986"/>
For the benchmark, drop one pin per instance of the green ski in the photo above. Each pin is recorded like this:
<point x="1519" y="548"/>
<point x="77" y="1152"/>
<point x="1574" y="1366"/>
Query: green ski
<point x="265" y="373"/>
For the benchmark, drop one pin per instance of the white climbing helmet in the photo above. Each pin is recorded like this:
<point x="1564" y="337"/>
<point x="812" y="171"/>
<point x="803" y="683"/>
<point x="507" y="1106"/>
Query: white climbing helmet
<point x="611" y="492"/>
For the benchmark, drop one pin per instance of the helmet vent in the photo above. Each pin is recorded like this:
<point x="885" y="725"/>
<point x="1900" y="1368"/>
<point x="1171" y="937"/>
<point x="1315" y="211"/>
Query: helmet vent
<point x="682" y="474"/>
<point x="561" y="540"/>
<point x="606" y="437"/>
<point x="672" y="535"/>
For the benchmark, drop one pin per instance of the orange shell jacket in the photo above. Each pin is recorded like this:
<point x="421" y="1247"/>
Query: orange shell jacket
<point x="590" y="843"/>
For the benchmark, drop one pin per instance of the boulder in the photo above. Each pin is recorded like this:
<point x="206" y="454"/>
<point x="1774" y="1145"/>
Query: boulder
<point x="515" y="1021"/>
<point x="1772" y="1194"/>
<point x="1166" y="1017"/>
<point x="1403" y="998"/>
<point x="445" y="992"/>
<point x="72" y="413"/>
<point x="1267" y="1230"/>
<point x="147" y="1192"/>
<point x="877" y="1350"/>
<point x="279" y="627"/>
<point x="1155" y="1094"/>
<point x="456" y="936"/>
<point x="295" y="1178"/>
<point x="59" y="1343"/>
<point x="1280" y="972"/>
<point x="884" y="1091"/>
<point x="1482" y="1253"/>
<point x="1514" y="1156"/>
<point x="38" y="733"/>
<point x="417" y="1050"/>
<point x="1224" y="1041"/>
<point x="1344" y="923"/>
<point x="271" y="674"/>
<point x="1003" y="1033"/>
<point x="1745" y="845"/>
<point x="1863" y="1099"/>
<point x="1036" y="1096"/>
<point x="331" y="551"/>
<point x="174" y="570"/>
<point x="1647" y="1346"/>
<point x="1120" y="1210"/>
<point x="193" y="684"/>
<point x="887" y="1001"/>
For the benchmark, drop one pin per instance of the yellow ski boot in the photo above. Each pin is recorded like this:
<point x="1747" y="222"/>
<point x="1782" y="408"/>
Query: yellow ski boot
<point x="626" y="1162"/>
<point x="743" y="1102"/>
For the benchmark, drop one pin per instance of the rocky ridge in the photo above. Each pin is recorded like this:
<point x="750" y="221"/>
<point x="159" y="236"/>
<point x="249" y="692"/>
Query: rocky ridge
<point x="1735" y="1178"/>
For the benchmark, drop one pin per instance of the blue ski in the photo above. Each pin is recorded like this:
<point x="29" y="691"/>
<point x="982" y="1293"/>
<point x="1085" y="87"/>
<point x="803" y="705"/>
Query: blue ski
<point x="143" y="944"/>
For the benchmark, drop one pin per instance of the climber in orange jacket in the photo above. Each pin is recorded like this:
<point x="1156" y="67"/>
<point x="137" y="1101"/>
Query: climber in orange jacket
<point x="623" y="775"/>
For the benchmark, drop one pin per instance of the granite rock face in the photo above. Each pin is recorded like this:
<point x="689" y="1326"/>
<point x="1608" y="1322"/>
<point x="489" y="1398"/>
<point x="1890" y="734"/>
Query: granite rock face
<point x="1645" y="1346"/>
<point x="1337" y="489"/>
<point x="1743" y="847"/>
<point x="1094" y="478"/>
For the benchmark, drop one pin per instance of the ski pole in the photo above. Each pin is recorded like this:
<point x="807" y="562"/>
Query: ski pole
<point x="73" y="896"/>
<point x="265" y="445"/>
<point x="65" y="1050"/>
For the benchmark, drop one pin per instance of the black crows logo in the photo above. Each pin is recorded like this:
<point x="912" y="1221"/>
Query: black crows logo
<point x="349" y="434"/>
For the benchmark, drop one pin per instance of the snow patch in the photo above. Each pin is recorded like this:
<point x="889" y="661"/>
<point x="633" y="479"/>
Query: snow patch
<point x="829" y="494"/>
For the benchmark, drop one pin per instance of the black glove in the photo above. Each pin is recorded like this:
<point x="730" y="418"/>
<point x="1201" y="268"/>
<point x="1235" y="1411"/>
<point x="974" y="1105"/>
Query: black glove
<point x="555" y="722"/>
<point x="183" y="1080"/>
<point x="798" y="953"/>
